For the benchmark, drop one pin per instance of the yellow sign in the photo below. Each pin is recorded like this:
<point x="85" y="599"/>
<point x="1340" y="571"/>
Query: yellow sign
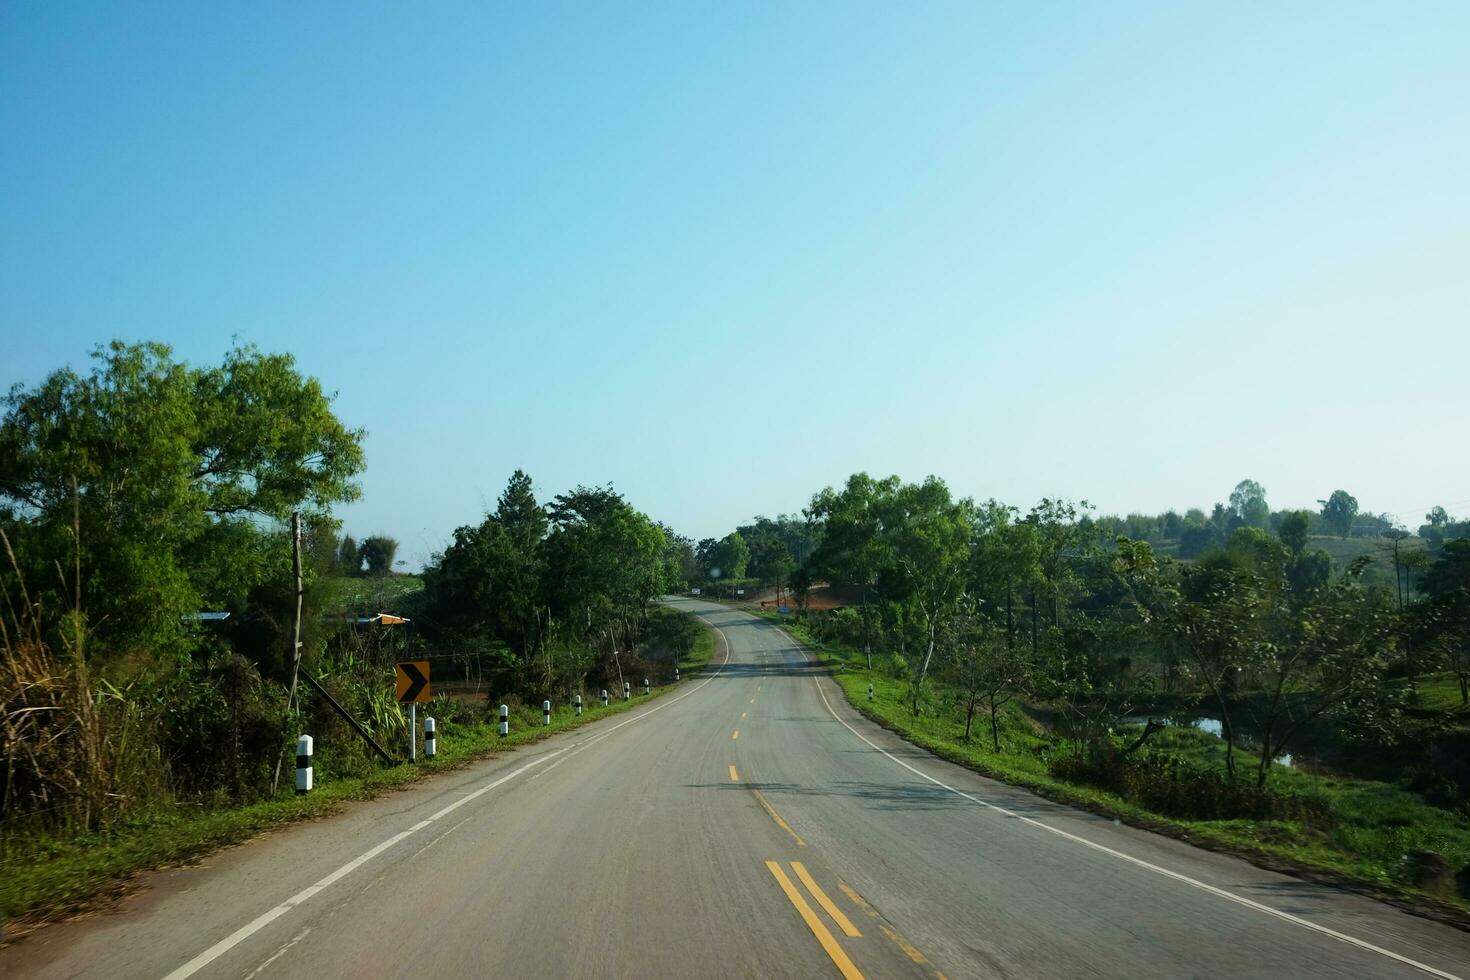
<point x="413" y="681"/>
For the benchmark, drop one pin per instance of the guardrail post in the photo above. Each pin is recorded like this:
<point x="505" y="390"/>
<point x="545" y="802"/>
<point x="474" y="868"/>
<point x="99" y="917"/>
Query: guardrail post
<point x="604" y="697"/>
<point x="545" y="712"/>
<point x="429" y="741"/>
<point x="504" y="721"/>
<point x="303" y="764"/>
<point x="577" y="701"/>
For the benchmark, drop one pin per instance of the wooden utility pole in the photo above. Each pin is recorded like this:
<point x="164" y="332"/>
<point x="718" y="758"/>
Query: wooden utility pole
<point x="295" y="631"/>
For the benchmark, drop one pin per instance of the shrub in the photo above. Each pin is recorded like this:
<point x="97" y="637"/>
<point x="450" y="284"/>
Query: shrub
<point x="1168" y="785"/>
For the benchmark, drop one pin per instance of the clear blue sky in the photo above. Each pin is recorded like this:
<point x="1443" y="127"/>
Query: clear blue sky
<point x="722" y="255"/>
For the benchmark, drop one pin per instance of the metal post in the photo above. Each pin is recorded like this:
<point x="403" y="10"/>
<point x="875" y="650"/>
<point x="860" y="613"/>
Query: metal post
<point x="429" y="746"/>
<point x="545" y="712"/>
<point x="303" y="764"/>
<point x="413" y="731"/>
<point x="504" y="720"/>
<point x="578" y="702"/>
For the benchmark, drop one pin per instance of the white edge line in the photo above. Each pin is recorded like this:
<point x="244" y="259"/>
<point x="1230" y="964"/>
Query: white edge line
<point x="261" y="921"/>
<point x="1177" y="876"/>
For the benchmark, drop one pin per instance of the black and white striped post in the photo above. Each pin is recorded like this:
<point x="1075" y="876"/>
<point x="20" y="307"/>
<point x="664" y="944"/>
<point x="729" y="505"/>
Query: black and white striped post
<point x="504" y="720"/>
<point x="676" y="673"/>
<point x="578" y="702"/>
<point x="545" y="712"/>
<point x="429" y="740"/>
<point x="870" y="692"/>
<point x="645" y="685"/>
<point x="303" y="764"/>
<point x="627" y="690"/>
<point x="604" y="697"/>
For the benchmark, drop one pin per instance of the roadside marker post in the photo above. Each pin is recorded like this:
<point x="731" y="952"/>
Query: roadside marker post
<point x="429" y="746"/>
<point x="870" y="692"/>
<point x="578" y="702"/>
<point x="627" y="690"/>
<point x="303" y="764"/>
<point x="504" y="720"/>
<point x="676" y="673"/>
<point x="413" y="731"/>
<point x="545" y="712"/>
<point x="645" y="685"/>
<point x="604" y="697"/>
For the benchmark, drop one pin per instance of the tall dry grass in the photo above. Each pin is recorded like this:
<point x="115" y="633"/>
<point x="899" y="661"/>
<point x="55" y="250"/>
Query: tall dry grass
<point x="77" y="755"/>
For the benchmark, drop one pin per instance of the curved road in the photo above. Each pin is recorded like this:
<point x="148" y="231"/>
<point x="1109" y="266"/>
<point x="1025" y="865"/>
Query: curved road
<point x="748" y="824"/>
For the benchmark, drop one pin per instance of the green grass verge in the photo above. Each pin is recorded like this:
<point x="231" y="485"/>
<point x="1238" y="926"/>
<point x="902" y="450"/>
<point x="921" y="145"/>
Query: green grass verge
<point x="703" y="650"/>
<point x="45" y="877"/>
<point x="1377" y="824"/>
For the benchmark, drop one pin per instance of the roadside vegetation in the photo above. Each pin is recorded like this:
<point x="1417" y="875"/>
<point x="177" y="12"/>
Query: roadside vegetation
<point x="1264" y="693"/>
<point x="149" y="613"/>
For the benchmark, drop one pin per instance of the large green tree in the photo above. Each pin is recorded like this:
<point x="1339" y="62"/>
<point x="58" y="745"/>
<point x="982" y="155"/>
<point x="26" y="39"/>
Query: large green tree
<point x="853" y="548"/>
<point x="1338" y="512"/>
<point x="1248" y="502"/>
<point x="928" y="534"/>
<point x="150" y="474"/>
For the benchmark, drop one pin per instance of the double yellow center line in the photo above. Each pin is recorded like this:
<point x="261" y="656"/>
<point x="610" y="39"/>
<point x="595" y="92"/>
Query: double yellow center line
<point x="819" y="929"/>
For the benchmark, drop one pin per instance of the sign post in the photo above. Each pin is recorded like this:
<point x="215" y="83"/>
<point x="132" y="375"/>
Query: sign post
<point x="411" y="682"/>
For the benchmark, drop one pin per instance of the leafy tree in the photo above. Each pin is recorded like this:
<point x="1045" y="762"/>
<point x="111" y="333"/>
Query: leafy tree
<point x="487" y="586"/>
<point x="853" y="548"/>
<point x="1248" y="503"/>
<point x="1196" y="540"/>
<point x="159" y="464"/>
<point x="729" y="558"/>
<point x="1294" y="529"/>
<point x="377" y="554"/>
<point x="1309" y="571"/>
<point x="1338" y="512"/>
<point x="1059" y="537"/>
<point x="985" y="668"/>
<point x="1005" y="560"/>
<point x="1327" y="659"/>
<point x="680" y="559"/>
<point x="1443" y="618"/>
<point x="928" y="535"/>
<point x="1217" y="624"/>
<point x="348" y="558"/>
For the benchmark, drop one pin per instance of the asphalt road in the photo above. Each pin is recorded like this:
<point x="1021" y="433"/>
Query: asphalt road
<point x="748" y="824"/>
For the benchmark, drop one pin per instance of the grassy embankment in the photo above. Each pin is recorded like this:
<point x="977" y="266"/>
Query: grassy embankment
<point x="54" y="875"/>
<point x="1373" y="829"/>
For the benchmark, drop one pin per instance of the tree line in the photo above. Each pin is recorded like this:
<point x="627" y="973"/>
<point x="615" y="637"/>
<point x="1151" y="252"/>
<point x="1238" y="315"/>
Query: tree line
<point x="148" y="606"/>
<point x="552" y="595"/>
<point x="1055" y="605"/>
